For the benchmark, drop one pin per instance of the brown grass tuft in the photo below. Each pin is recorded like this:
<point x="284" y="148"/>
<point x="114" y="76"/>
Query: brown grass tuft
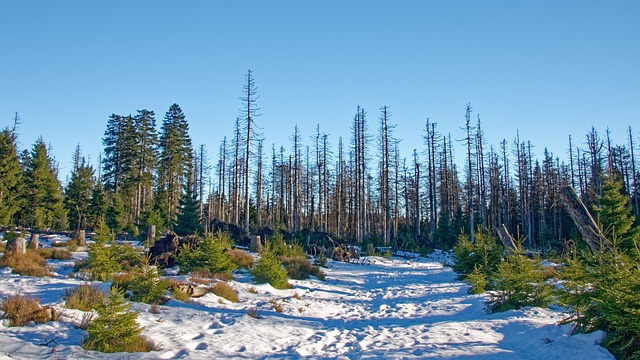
<point x="224" y="290"/>
<point x="29" y="264"/>
<point x="241" y="258"/>
<point x="84" y="297"/>
<point x="21" y="309"/>
<point x="55" y="254"/>
<point x="277" y="307"/>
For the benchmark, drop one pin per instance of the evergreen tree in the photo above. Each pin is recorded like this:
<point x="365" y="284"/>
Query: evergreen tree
<point x="144" y="160"/>
<point x="115" y="329"/>
<point x="174" y="168"/>
<point x="615" y="215"/>
<point x="99" y="204"/>
<point x="43" y="191"/>
<point x="118" y="144"/>
<point x="78" y="192"/>
<point x="188" y="221"/>
<point x="115" y="213"/>
<point x="10" y="178"/>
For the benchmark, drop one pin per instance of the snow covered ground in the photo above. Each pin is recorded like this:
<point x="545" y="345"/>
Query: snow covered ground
<point x="391" y="308"/>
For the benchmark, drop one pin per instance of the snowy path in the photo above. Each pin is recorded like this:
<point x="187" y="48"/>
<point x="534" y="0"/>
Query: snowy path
<point x="389" y="309"/>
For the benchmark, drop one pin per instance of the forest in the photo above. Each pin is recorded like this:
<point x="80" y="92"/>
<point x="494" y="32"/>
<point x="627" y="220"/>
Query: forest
<point x="579" y="211"/>
<point x="363" y="190"/>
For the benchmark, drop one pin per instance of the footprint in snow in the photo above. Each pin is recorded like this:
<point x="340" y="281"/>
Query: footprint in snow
<point x="202" y="346"/>
<point x="198" y="337"/>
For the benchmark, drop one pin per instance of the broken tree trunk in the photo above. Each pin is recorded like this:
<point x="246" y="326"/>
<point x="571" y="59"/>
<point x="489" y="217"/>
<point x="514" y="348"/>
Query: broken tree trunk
<point x="34" y="242"/>
<point x="585" y="223"/>
<point x="506" y="238"/>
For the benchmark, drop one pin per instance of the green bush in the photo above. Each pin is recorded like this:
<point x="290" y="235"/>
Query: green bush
<point x="269" y="270"/>
<point x="281" y="249"/>
<point x="300" y="268"/>
<point x="147" y="286"/>
<point x="518" y="283"/>
<point x="484" y="253"/>
<point x="104" y="260"/>
<point x="115" y="329"/>
<point x="210" y="255"/>
<point x="478" y="281"/>
<point x="84" y="297"/>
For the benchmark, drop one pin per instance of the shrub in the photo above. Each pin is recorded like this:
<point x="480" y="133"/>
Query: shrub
<point x="104" y="260"/>
<point x="181" y="295"/>
<point x="210" y="255"/>
<point x="29" y="264"/>
<point x="55" y="254"/>
<point x="84" y="297"/>
<point x="224" y="290"/>
<point x="241" y="258"/>
<point x="269" y="270"/>
<point x="281" y="249"/>
<point x="518" y="283"/>
<point x="300" y="268"/>
<point x="147" y="285"/>
<point x="478" y="281"/>
<point x="115" y="329"/>
<point x="123" y="280"/>
<point x="484" y="252"/>
<point x="21" y="309"/>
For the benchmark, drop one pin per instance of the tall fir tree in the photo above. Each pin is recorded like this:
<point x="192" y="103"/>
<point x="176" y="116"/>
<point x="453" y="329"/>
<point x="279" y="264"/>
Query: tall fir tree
<point x="78" y="192"/>
<point x="188" y="221"/>
<point x="615" y="216"/>
<point x="10" y="178"/>
<point x="174" y="167"/>
<point x="43" y="191"/>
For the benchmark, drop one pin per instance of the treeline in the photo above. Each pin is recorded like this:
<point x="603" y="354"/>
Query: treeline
<point x="360" y="190"/>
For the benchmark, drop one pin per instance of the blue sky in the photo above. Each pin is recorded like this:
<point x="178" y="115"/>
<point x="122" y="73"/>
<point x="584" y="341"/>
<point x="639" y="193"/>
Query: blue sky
<point x="546" y="68"/>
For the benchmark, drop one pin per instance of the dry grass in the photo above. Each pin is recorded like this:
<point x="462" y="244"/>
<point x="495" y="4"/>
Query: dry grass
<point x="297" y="296"/>
<point x="253" y="290"/>
<point x="21" y="309"/>
<point x="223" y="276"/>
<point x="253" y="312"/>
<point x="181" y="295"/>
<point x="87" y="319"/>
<point x="84" y="297"/>
<point x="29" y="264"/>
<point x="241" y="258"/>
<point x="201" y="281"/>
<point x="141" y="344"/>
<point x="224" y="290"/>
<point x="277" y="307"/>
<point x="202" y="273"/>
<point x="55" y="254"/>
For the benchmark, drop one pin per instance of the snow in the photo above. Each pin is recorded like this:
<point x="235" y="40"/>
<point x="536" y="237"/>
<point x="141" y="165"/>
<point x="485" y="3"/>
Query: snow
<point x="392" y="308"/>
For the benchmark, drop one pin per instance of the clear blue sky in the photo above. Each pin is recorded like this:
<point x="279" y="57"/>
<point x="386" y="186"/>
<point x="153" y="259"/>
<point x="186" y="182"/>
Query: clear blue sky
<point x="547" y="68"/>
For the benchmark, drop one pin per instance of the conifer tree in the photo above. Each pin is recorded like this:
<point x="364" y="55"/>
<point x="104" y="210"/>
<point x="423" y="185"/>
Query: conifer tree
<point x="115" y="329"/>
<point x="43" y="191"/>
<point x="615" y="215"/>
<point x="188" y="221"/>
<point x="10" y="178"/>
<point x="174" y="168"/>
<point x="78" y="192"/>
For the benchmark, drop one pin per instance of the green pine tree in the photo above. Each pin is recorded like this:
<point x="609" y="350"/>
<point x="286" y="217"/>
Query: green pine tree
<point x="78" y="192"/>
<point x="188" y="221"/>
<point x="174" y="167"/>
<point x="10" y="178"/>
<point x="104" y="254"/>
<point x="615" y="216"/>
<point x="43" y="192"/>
<point x="115" y="329"/>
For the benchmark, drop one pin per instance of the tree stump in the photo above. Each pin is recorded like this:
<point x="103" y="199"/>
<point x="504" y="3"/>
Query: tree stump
<point x="255" y="245"/>
<point x="17" y="245"/>
<point x="34" y="242"/>
<point x="81" y="238"/>
<point x="151" y="234"/>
